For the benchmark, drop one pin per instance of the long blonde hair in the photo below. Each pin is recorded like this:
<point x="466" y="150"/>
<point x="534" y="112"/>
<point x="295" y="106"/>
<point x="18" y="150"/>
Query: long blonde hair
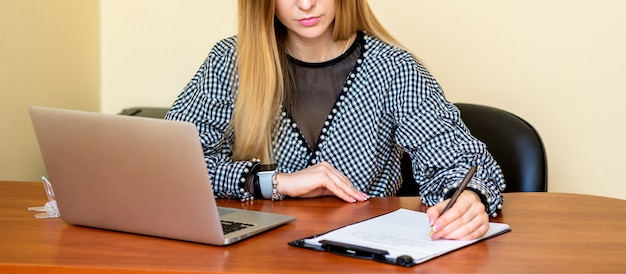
<point x="264" y="78"/>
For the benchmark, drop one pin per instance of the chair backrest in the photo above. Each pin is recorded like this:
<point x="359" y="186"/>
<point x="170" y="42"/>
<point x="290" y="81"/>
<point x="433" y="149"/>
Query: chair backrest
<point x="150" y="112"/>
<point x="512" y="141"/>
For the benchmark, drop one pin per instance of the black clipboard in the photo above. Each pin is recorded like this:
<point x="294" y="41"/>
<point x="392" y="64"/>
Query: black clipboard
<point x="368" y="253"/>
<point x="354" y="251"/>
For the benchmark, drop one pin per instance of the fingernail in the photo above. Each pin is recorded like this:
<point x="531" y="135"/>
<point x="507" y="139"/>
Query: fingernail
<point x="435" y="227"/>
<point x="365" y="196"/>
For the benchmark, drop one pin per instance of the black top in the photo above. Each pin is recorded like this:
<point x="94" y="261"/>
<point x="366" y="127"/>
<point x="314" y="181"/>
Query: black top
<point x="317" y="86"/>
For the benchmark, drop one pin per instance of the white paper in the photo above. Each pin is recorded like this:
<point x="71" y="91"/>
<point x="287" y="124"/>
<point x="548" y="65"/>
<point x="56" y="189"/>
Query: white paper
<point x="401" y="232"/>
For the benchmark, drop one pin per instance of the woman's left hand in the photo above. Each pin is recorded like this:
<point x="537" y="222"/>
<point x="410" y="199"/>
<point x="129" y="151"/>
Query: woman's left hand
<point x="465" y="220"/>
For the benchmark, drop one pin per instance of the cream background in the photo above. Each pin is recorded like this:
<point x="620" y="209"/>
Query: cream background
<point x="50" y="56"/>
<point x="559" y="64"/>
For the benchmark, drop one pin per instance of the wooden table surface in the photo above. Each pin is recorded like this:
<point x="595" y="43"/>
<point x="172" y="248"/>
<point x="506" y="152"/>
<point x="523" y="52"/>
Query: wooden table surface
<point x="551" y="232"/>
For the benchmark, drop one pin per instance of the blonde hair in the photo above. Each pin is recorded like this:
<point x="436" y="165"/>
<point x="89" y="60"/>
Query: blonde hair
<point x="264" y="79"/>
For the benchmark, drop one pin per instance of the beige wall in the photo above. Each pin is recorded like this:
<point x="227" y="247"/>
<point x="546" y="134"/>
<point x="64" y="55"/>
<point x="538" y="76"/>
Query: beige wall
<point x="557" y="63"/>
<point x="152" y="48"/>
<point x="49" y="56"/>
<point x="560" y="64"/>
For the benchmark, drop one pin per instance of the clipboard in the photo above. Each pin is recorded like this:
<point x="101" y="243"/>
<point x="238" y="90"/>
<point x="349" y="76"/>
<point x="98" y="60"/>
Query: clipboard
<point x="355" y="251"/>
<point x="387" y="225"/>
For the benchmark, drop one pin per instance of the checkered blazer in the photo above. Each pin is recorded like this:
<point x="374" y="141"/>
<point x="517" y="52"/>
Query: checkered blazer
<point x="389" y="103"/>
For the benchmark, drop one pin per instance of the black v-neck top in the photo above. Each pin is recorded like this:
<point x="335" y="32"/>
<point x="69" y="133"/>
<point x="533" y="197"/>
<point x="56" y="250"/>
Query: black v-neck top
<point x="317" y="87"/>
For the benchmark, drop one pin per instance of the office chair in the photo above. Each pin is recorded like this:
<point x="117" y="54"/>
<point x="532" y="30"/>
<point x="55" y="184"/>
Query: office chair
<point x="150" y="112"/>
<point x="512" y="141"/>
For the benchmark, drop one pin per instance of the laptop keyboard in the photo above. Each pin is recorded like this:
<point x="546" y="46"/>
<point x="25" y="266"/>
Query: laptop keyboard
<point x="230" y="226"/>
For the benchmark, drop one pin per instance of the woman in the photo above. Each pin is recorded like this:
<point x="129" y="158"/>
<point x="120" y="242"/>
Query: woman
<point x="323" y="92"/>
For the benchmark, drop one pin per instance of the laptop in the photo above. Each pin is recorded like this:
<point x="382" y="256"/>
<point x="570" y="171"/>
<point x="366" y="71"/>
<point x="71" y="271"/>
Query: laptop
<point x="139" y="175"/>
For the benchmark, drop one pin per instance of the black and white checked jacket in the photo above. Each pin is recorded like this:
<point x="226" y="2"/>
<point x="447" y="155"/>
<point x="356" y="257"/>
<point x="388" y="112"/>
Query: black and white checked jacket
<point x="388" y="103"/>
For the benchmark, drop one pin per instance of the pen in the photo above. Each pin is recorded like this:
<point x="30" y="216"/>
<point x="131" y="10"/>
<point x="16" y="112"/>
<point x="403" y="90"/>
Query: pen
<point x="457" y="193"/>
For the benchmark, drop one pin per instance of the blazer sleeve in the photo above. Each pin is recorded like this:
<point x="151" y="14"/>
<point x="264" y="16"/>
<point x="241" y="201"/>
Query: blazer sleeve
<point x="207" y="101"/>
<point x="442" y="149"/>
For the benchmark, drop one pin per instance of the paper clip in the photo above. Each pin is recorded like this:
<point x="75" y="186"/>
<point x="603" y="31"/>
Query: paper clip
<point x="50" y="209"/>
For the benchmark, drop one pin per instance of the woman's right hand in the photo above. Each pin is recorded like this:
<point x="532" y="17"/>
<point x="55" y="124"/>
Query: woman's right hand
<point x="318" y="180"/>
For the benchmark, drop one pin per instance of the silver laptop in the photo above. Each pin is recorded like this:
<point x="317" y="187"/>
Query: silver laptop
<point x="138" y="175"/>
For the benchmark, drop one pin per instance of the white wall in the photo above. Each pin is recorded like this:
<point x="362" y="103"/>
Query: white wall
<point x="557" y="63"/>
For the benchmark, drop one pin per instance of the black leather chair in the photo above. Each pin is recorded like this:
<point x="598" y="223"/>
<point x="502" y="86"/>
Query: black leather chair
<point x="150" y="112"/>
<point x="512" y="141"/>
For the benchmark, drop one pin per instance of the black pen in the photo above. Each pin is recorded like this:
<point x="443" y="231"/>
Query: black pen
<point x="457" y="193"/>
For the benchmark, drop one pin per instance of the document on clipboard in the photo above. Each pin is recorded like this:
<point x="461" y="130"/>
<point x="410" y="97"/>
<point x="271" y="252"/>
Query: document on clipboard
<point x="400" y="237"/>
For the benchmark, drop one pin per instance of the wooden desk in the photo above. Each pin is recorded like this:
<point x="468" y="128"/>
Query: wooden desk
<point x="551" y="232"/>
